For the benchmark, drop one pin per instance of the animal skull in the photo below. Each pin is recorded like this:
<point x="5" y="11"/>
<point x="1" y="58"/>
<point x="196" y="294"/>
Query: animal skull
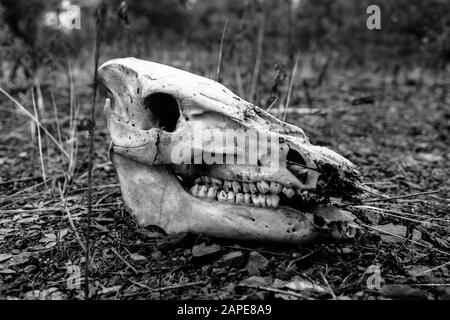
<point x="168" y="179"/>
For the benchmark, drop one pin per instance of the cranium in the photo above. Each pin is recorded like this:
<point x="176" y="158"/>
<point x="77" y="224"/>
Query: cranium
<point x="153" y="115"/>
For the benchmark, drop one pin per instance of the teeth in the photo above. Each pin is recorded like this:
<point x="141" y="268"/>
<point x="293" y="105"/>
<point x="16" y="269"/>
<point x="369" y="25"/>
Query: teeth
<point x="206" y="180"/>
<point x="217" y="183"/>
<point x="263" y="187"/>
<point x="274" y="200"/>
<point x="203" y="192"/>
<point x="227" y="186"/>
<point x="275" y="187"/>
<point x="212" y="193"/>
<point x="194" y="190"/>
<point x="222" y="196"/>
<point x="236" y="186"/>
<point x="232" y="191"/>
<point x="255" y="200"/>
<point x="198" y="181"/>
<point x="231" y="196"/>
<point x="247" y="198"/>
<point x="252" y="188"/>
<point x="262" y="200"/>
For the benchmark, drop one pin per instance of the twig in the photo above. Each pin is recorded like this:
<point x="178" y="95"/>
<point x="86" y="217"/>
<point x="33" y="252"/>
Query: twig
<point x="406" y="239"/>
<point x="254" y="83"/>
<point x="274" y="290"/>
<point x="432" y="269"/>
<point x="100" y="15"/>
<point x="179" y="286"/>
<point x="291" y="84"/>
<point x="24" y="110"/>
<point x="41" y="157"/>
<point x="220" y="49"/>
<point x="328" y="285"/>
<point x="406" y="196"/>
<point x="124" y="261"/>
<point x="69" y="217"/>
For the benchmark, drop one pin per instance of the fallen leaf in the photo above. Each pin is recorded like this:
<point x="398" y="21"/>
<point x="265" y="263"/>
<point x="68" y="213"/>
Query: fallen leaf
<point x="299" y="284"/>
<point x="5" y="256"/>
<point x="398" y="230"/>
<point x="255" y="281"/>
<point x="394" y="291"/>
<point x="136" y="257"/>
<point x="110" y="289"/>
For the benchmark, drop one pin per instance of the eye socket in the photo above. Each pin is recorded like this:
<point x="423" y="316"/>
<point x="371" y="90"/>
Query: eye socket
<point x="165" y="110"/>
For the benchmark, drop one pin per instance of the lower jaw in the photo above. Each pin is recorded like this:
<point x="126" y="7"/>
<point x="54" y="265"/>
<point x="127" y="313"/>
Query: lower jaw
<point x="155" y="197"/>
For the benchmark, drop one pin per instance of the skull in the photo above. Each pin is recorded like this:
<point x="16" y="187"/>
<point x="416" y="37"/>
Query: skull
<point x="179" y="169"/>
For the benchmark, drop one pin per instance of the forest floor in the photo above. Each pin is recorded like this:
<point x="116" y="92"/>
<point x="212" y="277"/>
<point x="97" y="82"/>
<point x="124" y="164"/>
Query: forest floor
<point x="395" y="130"/>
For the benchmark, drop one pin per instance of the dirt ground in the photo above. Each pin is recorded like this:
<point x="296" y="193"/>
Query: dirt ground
<point x="394" y="128"/>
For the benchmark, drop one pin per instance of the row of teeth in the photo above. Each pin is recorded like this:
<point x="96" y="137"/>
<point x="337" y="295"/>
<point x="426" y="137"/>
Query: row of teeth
<point x="256" y="199"/>
<point x="261" y="187"/>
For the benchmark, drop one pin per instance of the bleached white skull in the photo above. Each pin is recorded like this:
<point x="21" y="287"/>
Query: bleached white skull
<point x="180" y="170"/>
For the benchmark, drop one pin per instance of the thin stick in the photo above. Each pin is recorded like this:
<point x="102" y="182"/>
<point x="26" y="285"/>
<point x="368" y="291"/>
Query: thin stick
<point x="55" y="111"/>
<point x="28" y="113"/>
<point x="274" y="290"/>
<point x="291" y="84"/>
<point x="329" y="288"/>
<point x="179" y="286"/>
<point x="406" y="239"/>
<point x="101" y="13"/>
<point x="407" y="195"/>
<point x="254" y="83"/>
<point x="220" y="49"/>
<point x="41" y="158"/>
<point x="124" y="261"/>
<point x="237" y="73"/>
<point x="432" y="269"/>
<point x="69" y="217"/>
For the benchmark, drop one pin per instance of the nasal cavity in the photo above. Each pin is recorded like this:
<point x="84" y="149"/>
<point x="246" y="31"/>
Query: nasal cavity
<point x="293" y="157"/>
<point x="164" y="109"/>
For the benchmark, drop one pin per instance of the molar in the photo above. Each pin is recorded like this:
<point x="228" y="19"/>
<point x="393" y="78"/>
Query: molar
<point x="248" y="198"/>
<point x="236" y="186"/>
<point x="203" y="192"/>
<point x="262" y="200"/>
<point x="245" y="187"/>
<point x="274" y="200"/>
<point x="222" y="196"/>
<point x="289" y="192"/>
<point x="252" y="188"/>
<point x="263" y="187"/>
<point x="194" y="190"/>
<point x="255" y="199"/>
<point x="212" y="193"/>
<point x="216" y="182"/>
<point x="206" y="179"/>
<point x="239" y="198"/>
<point x="227" y="186"/>
<point x="276" y="187"/>
<point x="231" y="196"/>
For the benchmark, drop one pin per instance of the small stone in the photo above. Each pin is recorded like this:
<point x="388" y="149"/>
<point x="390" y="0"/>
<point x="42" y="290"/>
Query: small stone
<point x="156" y="255"/>
<point x="235" y="259"/>
<point x="256" y="263"/>
<point x="204" y="251"/>
<point x="30" y="268"/>
<point x="137" y="258"/>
